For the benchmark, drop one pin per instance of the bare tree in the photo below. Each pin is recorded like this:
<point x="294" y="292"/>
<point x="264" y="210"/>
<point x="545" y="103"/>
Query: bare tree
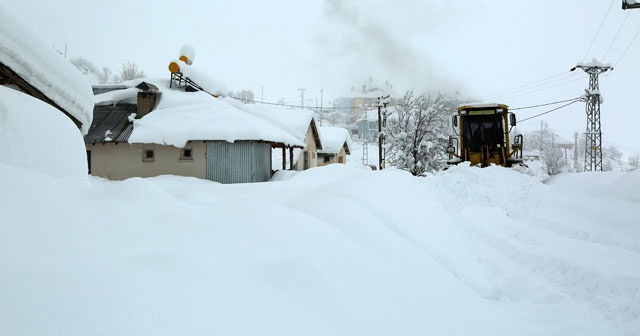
<point x="416" y="133"/>
<point x="544" y="141"/>
<point x="129" y="71"/>
<point x="104" y="76"/>
<point x="634" y="161"/>
<point x="84" y="65"/>
<point x="244" y="96"/>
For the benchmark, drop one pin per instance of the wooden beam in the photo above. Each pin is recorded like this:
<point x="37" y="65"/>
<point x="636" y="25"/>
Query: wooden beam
<point x="284" y="159"/>
<point x="290" y="158"/>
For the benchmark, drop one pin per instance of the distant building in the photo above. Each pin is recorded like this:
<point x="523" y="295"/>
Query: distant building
<point x="336" y="145"/>
<point x="357" y="100"/>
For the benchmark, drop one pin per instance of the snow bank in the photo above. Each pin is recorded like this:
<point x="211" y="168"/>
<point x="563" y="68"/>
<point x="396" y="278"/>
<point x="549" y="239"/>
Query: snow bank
<point x="334" y="250"/>
<point x="45" y="69"/>
<point x="37" y="136"/>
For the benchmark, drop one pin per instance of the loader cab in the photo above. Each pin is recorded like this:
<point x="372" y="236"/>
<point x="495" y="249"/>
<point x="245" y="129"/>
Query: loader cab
<point x="482" y="136"/>
<point x="483" y="130"/>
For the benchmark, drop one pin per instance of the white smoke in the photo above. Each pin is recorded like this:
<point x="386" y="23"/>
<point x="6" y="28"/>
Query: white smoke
<point x="368" y="46"/>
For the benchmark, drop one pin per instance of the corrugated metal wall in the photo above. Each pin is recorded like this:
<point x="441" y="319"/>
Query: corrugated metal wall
<point x="239" y="162"/>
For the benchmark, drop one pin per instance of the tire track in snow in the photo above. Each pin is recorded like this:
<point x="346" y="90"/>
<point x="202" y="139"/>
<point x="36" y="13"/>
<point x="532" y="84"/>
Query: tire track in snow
<point x="616" y="298"/>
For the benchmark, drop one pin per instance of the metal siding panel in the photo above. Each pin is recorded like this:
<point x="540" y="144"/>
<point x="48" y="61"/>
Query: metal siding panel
<point x="239" y="162"/>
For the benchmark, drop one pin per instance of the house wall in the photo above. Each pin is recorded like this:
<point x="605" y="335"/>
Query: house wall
<point x="123" y="160"/>
<point x="311" y="150"/>
<point x="238" y="162"/>
<point x="341" y="157"/>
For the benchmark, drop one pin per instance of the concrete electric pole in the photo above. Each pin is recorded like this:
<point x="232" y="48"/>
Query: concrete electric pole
<point x="302" y="97"/>
<point x="382" y="118"/>
<point x="593" y="146"/>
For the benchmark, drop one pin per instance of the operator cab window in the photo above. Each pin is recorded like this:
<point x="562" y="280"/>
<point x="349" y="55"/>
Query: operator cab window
<point x="483" y="130"/>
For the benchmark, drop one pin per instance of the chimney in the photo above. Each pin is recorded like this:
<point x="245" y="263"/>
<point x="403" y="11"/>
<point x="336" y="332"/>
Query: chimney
<point x="147" y="98"/>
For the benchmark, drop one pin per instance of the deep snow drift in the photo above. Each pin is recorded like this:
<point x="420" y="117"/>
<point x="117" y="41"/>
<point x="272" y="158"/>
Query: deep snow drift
<point x="37" y="136"/>
<point x="335" y="250"/>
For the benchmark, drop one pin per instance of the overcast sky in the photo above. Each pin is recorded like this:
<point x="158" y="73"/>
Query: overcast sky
<point x="485" y="50"/>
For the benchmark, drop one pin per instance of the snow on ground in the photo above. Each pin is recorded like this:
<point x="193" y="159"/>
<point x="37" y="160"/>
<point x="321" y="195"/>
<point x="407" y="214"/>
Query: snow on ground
<point x="335" y="250"/>
<point x="355" y="158"/>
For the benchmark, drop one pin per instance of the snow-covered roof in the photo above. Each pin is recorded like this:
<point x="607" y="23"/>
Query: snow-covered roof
<point x="295" y="121"/>
<point x="183" y="116"/>
<point x="481" y="105"/>
<point x="334" y="139"/>
<point x="45" y="70"/>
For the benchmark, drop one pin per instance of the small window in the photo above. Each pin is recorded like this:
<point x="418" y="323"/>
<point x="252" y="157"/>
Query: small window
<point x="186" y="154"/>
<point x="327" y="159"/>
<point x="148" y="155"/>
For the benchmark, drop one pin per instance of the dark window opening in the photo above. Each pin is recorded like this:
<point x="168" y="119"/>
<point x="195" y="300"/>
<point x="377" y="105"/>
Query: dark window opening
<point x="186" y="154"/>
<point x="149" y="155"/>
<point x="327" y="159"/>
<point x="89" y="161"/>
<point x="483" y="131"/>
<point x="305" y="164"/>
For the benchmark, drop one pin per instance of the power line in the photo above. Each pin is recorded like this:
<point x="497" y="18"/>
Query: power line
<point x="552" y="110"/>
<point x="628" y="47"/>
<point x="615" y="37"/>
<point x="598" y="31"/>
<point x="287" y="105"/>
<point x="540" y="105"/>
<point x="543" y="88"/>
<point x="525" y="85"/>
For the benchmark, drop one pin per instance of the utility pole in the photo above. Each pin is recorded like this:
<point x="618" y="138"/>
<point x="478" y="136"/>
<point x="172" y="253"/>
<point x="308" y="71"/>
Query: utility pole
<point x="302" y="97"/>
<point x="541" y="138"/>
<point x="575" y="152"/>
<point x="365" y="142"/>
<point x="593" y="147"/>
<point x="382" y="109"/>
<point x="321" y="99"/>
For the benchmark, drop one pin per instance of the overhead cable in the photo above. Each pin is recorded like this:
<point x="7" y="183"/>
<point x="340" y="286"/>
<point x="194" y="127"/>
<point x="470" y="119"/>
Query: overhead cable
<point x="552" y="110"/>
<point x="616" y="36"/>
<point x="627" y="49"/>
<point x="526" y="86"/>
<point x="540" y="105"/>
<point x="598" y="31"/>
<point x="542" y="88"/>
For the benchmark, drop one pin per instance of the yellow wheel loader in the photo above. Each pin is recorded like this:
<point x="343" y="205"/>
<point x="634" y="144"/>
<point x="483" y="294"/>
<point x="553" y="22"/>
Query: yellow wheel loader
<point x="482" y="136"/>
